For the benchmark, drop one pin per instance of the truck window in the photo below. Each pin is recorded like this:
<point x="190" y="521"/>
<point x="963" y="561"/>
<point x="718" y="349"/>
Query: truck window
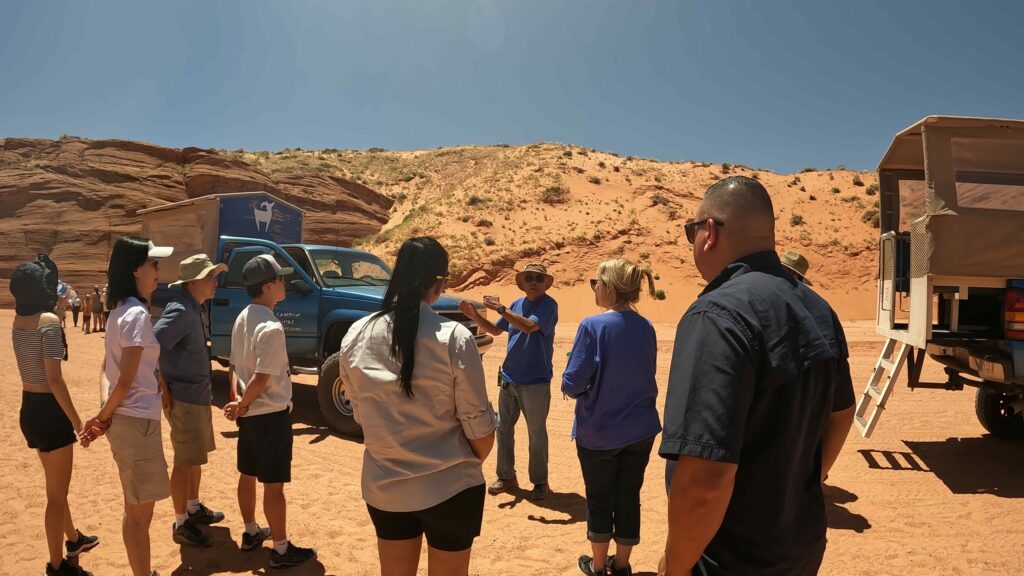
<point x="233" y="277"/>
<point x="299" y="255"/>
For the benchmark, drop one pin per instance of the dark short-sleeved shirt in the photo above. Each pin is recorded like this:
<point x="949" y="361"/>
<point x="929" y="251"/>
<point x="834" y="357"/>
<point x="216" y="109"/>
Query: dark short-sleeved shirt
<point x="528" y="360"/>
<point x="759" y="365"/>
<point x="611" y="374"/>
<point x="184" y="358"/>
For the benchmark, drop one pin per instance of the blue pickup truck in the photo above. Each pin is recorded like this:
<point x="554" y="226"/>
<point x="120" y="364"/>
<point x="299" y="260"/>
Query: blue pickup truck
<point x="330" y="287"/>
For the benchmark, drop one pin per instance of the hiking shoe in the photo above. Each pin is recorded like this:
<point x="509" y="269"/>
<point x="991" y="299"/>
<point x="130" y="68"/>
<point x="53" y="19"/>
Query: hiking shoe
<point x="626" y="570"/>
<point x="83" y="544"/>
<point x="539" y="492"/>
<point x="205" y="516"/>
<point x="293" y="556"/>
<point x="500" y="486"/>
<point x="190" y="534"/>
<point x="253" y="541"/>
<point x="66" y="569"/>
<point x="586" y="565"/>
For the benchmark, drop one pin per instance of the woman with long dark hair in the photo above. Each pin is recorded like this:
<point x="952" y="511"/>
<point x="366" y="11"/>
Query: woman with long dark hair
<point x="417" y="387"/>
<point x="49" y="420"/>
<point x="130" y="416"/>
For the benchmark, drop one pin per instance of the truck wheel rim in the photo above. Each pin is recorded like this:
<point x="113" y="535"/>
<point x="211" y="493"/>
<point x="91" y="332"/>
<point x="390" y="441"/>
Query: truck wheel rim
<point x="341" y="402"/>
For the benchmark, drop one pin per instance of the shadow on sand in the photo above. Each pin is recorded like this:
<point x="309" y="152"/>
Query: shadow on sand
<point x="985" y="465"/>
<point x="225" y="557"/>
<point x="839" y="517"/>
<point x="570" y="504"/>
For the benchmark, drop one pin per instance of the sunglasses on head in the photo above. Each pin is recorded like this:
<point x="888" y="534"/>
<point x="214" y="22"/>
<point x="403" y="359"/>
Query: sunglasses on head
<point x="533" y="277"/>
<point x="440" y="278"/>
<point x="690" y="228"/>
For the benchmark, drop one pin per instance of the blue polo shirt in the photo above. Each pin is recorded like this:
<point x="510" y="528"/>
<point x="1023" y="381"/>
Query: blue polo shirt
<point x="184" y="358"/>
<point x="528" y="360"/>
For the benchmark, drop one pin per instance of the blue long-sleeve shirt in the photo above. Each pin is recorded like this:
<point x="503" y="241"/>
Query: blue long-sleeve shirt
<point x="611" y="374"/>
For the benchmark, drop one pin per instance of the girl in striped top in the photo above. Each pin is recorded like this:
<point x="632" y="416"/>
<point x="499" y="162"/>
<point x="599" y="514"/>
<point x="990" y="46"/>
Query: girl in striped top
<point x="48" y="417"/>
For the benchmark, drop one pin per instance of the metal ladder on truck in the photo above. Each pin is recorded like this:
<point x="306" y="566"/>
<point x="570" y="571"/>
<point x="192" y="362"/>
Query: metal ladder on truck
<point x="879" y="388"/>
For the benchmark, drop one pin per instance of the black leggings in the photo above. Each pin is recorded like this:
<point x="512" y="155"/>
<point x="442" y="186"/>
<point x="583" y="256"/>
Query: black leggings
<point x="613" y="479"/>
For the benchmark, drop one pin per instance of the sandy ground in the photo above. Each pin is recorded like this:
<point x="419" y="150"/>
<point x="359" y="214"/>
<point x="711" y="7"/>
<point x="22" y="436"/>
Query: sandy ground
<point x="928" y="494"/>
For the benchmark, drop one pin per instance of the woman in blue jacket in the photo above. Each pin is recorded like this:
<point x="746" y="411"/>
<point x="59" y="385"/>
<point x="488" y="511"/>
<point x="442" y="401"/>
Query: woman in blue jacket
<point x="611" y="375"/>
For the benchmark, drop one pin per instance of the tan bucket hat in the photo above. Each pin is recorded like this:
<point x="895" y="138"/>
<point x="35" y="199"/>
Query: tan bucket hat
<point x="534" y="269"/>
<point x="197" y="267"/>
<point x="796" y="262"/>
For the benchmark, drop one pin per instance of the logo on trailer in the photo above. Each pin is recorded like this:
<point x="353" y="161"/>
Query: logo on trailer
<point x="264" y="213"/>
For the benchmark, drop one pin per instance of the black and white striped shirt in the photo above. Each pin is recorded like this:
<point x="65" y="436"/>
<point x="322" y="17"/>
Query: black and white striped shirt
<point x="33" y="347"/>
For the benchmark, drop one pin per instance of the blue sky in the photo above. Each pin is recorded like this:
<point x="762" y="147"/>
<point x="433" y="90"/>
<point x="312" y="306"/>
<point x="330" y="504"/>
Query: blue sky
<point x="781" y="85"/>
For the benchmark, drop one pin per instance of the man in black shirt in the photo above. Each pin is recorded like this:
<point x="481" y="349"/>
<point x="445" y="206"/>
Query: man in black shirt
<point x="759" y="401"/>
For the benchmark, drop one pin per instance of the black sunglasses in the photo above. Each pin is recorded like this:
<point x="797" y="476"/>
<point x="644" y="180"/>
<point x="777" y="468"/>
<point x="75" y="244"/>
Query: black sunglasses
<point x="533" y="278"/>
<point x="690" y="228"/>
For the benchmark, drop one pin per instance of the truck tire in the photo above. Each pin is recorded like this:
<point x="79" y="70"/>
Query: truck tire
<point x="994" y="413"/>
<point x="330" y="393"/>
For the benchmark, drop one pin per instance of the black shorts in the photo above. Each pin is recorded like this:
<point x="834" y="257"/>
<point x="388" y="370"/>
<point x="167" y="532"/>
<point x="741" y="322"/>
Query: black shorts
<point x="43" y="422"/>
<point x="265" y="447"/>
<point x="450" y="526"/>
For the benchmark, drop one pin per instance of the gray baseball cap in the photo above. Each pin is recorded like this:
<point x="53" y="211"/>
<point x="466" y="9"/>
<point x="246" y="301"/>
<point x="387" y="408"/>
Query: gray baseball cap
<point x="261" y="269"/>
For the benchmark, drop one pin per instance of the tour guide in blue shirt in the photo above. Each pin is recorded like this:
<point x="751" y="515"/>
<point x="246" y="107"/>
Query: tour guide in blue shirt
<point x="525" y="376"/>
<point x="186" y="394"/>
<point x="759" y="401"/>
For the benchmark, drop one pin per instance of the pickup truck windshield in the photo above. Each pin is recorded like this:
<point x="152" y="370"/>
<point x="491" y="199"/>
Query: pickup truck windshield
<point x="344" y="268"/>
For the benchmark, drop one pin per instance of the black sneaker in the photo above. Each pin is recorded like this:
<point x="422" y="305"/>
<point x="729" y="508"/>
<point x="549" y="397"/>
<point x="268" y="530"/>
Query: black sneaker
<point x="189" y="534"/>
<point x="83" y="544"/>
<point x="253" y="541"/>
<point x="626" y="570"/>
<point x="293" y="556"/>
<point x="586" y="565"/>
<point x="66" y="569"/>
<point x="539" y="492"/>
<point x="205" y="516"/>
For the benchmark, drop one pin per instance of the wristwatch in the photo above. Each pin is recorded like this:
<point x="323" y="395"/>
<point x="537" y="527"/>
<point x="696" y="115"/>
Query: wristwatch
<point x="500" y="310"/>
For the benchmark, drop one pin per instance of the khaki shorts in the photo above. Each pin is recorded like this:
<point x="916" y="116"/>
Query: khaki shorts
<point x="139" y="454"/>
<point x="191" y="433"/>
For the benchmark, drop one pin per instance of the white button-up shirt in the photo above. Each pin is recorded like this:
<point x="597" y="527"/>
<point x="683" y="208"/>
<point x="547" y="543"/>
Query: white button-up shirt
<point x="417" y="452"/>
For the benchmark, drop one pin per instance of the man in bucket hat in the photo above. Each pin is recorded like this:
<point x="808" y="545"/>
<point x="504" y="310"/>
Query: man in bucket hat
<point x="525" y="376"/>
<point x="187" y="397"/>
<point x="797" y="265"/>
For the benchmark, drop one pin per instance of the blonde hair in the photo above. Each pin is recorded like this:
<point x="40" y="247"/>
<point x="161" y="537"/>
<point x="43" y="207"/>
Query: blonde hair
<point x="625" y="279"/>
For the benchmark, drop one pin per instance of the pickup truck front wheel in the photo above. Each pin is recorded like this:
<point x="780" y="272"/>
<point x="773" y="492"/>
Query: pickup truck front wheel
<point x="995" y="412"/>
<point x="334" y="405"/>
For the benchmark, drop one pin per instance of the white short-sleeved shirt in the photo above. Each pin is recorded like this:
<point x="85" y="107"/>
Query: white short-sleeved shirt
<point x="417" y="449"/>
<point x="130" y="325"/>
<point x="258" y="347"/>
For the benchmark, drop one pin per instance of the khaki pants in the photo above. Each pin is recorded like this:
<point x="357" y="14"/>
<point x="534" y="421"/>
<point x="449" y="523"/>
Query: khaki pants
<point x="139" y="454"/>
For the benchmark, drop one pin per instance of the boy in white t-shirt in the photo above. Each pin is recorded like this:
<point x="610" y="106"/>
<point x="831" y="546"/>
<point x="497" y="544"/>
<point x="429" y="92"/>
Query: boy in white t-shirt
<point x="259" y="361"/>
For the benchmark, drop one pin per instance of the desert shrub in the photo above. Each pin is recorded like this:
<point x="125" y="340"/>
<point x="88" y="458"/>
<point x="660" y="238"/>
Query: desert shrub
<point x="756" y="176"/>
<point x="400" y="197"/>
<point x="805" y="170"/>
<point x="659" y="294"/>
<point x="673" y="214"/>
<point x="474" y="199"/>
<point x="615" y="169"/>
<point x="601" y="164"/>
<point x="567" y="153"/>
<point x="813" y="197"/>
<point x="465" y="218"/>
<point x="593" y="180"/>
<point x="555" y="195"/>
<point x="659" y="198"/>
<point x="850" y="198"/>
<point x="871" y="190"/>
<point x="796" y="220"/>
<point x="836" y="190"/>
<point x="857" y="181"/>
<point x="803" y="189"/>
<point x="489" y="240"/>
<point x="726" y="168"/>
<point x="657" y="276"/>
<point x="484" y="223"/>
<point x="582" y="152"/>
<point x="373" y="150"/>
<point x="870" y="216"/>
<point x="831" y="176"/>
<point x="645" y="255"/>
